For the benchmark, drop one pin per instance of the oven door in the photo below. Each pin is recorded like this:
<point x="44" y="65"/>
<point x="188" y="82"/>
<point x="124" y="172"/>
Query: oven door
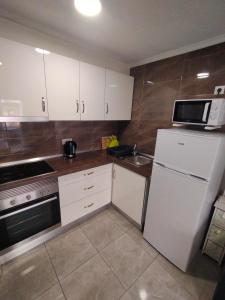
<point x="192" y="111"/>
<point x="17" y="224"/>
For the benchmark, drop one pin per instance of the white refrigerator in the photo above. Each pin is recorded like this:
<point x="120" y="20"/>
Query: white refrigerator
<point x="187" y="171"/>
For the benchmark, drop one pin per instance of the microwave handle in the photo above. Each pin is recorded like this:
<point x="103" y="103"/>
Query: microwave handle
<point x="205" y="112"/>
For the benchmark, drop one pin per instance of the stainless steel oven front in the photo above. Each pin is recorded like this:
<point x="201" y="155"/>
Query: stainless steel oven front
<point x="28" y="210"/>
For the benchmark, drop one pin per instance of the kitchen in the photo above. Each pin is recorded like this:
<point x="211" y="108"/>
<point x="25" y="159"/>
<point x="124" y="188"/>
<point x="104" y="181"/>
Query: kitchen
<point x="99" y="234"/>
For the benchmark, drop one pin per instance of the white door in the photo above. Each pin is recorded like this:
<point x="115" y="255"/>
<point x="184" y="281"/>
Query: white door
<point x="128" y="192"/>
<point x="22" y="81"/>
<point x="172" y="223"/>
<point x="186" y="152"/>
<point x="118" y="96"/>
<point x="92" y="92"/>
<point x="62" y="81"/>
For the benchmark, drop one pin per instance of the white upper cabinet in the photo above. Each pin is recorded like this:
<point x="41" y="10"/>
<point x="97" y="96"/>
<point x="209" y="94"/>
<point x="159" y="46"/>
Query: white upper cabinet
<point x="92" y="92"/>
<point x="62" y="82"/>
<point x="22" y="82"/>
<point x="118" y="96"/>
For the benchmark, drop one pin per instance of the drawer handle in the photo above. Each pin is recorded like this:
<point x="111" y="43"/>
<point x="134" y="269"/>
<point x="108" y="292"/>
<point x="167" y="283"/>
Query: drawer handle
<point x="217" y="231"/>
<point x="90" y="173"/>
<point x="89" y="188"/>
<point x="89" y="205"/>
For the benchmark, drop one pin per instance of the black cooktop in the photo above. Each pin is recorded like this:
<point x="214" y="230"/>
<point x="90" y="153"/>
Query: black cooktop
<point x="22" y="171"/>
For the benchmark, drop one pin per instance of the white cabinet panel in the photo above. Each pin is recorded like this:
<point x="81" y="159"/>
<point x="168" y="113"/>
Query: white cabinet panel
<point x="62" y="81"/>
<point x="83" y="192"/>
<point x="92" y="92"/>
<point x="76" y="210"/>
<point x="22" y="81"/>
<point x="73" y="191"/>
<point x="118" y="96"/>
<point x="128" y="192"/>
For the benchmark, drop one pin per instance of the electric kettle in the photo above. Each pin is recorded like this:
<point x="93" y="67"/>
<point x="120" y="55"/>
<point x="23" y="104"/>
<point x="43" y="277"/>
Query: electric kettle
<point x="70" y="148"/>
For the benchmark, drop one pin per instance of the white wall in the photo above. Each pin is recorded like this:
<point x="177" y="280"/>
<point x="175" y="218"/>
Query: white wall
<point x="19" y="33"/>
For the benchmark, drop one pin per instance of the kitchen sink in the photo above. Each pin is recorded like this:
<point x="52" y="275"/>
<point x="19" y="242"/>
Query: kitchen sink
<point x="139" y="160"/>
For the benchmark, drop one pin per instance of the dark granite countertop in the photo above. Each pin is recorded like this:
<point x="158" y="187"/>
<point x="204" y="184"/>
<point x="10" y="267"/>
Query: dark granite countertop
<point x="82" y="161"/>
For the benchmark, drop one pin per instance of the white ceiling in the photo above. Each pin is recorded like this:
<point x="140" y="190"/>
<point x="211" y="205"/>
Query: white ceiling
<point x="129" y="30"/>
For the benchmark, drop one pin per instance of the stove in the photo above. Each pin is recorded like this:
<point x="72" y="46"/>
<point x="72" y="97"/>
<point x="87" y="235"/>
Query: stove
<point x="22" y="171"/>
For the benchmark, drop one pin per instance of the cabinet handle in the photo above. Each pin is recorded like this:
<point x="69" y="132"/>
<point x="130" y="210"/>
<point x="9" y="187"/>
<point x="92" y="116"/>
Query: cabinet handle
<point x="77" y="102"/>
<point x="107" y="108"/>
<point x="89" y="205"/>
<point x="43" y="103"/>
<point x="89" y="188"/>
<point x="83" y="107"/>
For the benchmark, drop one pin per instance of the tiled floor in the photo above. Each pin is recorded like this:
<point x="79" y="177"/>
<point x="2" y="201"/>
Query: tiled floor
<point x="105" y="258"/>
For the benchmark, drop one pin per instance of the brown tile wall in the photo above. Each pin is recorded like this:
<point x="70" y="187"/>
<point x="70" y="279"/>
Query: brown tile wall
<point x="24" y="140"/>
<point x="172" y="78"/>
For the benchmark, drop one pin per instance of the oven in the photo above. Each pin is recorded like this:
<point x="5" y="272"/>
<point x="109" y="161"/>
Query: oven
<point x="28" y="210"/>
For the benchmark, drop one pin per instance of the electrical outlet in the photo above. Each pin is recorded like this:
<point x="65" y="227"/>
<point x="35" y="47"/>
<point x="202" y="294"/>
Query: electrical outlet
<point x="66" y="140"/>
<point x="219" y="90"/>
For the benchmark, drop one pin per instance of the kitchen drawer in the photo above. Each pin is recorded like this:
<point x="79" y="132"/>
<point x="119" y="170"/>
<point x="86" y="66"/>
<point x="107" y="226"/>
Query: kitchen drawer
<point x="75" y="190"/>
<point x="213" y="250"/>
<point x="219" y="218"/>
<point x="186" y="151"/>
<point x="217" y="235"/>
<point x="85" y="206"/>
<point x="85" y="174"/>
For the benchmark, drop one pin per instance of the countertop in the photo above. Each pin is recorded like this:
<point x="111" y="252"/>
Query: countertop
<point x="82" y="161"/>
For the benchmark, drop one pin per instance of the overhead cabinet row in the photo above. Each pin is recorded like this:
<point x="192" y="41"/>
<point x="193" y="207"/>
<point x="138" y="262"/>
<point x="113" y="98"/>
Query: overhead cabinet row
<point x="36" y="86"/>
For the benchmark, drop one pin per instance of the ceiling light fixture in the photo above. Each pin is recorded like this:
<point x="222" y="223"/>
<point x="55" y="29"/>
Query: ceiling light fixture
<point x="203" y="75"/>
<point x="42" y="51"/>
<point x="88" y="8"/>
<point x="1" y="63"/>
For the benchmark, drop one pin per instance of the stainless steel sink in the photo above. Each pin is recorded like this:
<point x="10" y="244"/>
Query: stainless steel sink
<point x="139" y="160"/>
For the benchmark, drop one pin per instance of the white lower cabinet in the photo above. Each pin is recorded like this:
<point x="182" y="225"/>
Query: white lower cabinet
<point x="128" y="189"/>
<point x="84" y="192"/>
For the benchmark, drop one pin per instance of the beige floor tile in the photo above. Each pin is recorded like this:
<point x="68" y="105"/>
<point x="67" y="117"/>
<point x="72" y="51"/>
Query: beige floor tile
<point x="28" y="276"/>
<point x="102" y="230"/>
<point x="137" y="236"/>
<point x="54" y="293"/>
<point x="127" y="259"/>
<point x="120" y="219"/>
<point x="157" y="284"/>
<point x="92" y="281"/>
<point x="69" y="250"/>
<point x="200" y="279"/>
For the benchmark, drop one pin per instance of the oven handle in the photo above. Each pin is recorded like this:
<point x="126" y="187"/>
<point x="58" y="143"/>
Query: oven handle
<point x="27" y="208"/>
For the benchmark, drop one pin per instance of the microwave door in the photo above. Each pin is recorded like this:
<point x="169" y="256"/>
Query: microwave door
<point x="192" y="112"/>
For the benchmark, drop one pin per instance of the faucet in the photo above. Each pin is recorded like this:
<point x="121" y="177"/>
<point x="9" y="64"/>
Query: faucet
<point x="135" y="150"/>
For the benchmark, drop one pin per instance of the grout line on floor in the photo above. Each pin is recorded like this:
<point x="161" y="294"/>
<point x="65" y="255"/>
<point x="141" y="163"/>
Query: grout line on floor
<point x="55" y="272"/>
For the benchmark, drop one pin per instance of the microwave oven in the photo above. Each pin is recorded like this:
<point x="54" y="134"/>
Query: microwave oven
<point x="205" y="112"/>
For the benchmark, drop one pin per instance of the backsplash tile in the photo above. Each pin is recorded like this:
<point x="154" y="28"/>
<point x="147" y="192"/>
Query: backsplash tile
<point x="33" y="139"/>
<point x="170" y="79"/>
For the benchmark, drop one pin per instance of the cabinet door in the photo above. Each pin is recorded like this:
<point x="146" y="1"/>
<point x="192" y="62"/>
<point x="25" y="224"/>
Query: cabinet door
<point x="118" y="96"/>
<point x="128" y="192"/>
<point x="22" y="81"/>
<point x="92" y="92"/>
<point x="62" y="81"/>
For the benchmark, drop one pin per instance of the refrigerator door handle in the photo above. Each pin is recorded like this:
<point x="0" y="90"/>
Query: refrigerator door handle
<point x="198" y="177"/>
<point x="180" y="172"/>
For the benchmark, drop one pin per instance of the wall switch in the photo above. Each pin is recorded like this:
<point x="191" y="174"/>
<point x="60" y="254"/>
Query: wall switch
<point x="66" y="140"/>
<point x="219" y="90"/>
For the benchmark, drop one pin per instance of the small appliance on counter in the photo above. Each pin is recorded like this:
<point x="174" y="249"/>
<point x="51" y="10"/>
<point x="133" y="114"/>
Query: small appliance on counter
<point x="70" y="148"/>
<point x="119" y="151"/>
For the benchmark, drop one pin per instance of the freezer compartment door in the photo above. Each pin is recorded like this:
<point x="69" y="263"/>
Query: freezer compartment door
<point x="173" y="214"/>
<point x="186" y="153"/>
